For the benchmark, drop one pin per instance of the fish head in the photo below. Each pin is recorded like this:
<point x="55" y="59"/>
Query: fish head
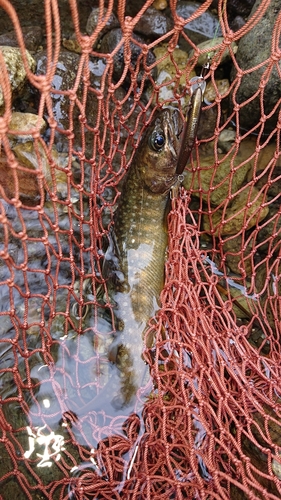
<point x="159" y="149"/>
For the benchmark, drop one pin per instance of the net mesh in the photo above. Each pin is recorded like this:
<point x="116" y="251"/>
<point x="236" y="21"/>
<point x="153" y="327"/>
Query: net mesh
<point x="208" y="426"/>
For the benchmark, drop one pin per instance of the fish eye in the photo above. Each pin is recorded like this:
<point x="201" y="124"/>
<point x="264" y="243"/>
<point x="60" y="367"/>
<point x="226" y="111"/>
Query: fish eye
<point x="157" y="140"/>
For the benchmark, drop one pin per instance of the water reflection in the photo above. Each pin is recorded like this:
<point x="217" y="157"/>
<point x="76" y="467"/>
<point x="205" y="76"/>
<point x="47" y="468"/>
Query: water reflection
<point x="57" y="386"/>
<point x="52" y="444"/>
<point x="59" y="392"/>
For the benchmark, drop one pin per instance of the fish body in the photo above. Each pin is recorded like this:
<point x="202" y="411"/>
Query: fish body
<point x="134" y="262"/>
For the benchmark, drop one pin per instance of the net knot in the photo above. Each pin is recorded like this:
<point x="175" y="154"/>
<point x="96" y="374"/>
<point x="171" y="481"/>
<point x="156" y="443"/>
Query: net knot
<point x="276" y="56"/>
<point x="85" y="44"/>
<point x="72" y="95"/>
<point x="128" y="27"/>
<point x="179" y="24"/>
<point x="227" y="41"/>
<point x="44" y="84"/>
<point x="17" y="203"/>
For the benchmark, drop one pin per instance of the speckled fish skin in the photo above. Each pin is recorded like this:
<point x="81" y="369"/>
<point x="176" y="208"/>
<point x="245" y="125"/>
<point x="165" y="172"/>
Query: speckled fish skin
<point x="135" y="262"/>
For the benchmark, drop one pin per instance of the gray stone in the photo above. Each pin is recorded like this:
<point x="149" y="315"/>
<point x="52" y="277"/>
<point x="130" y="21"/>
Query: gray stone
<point x="32" y="37"/>
<point x="199" y="30"/>
<point x="109" y="43"/>
<point x="255" y="48"/>
<point x="154" y="23"/>
<point x="94" y="20"/>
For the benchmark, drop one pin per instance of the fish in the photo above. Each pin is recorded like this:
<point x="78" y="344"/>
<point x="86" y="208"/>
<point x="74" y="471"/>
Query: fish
<point x="134" y="262"/>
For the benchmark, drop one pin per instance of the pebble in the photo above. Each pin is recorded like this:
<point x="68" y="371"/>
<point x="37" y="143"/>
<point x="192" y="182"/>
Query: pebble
<point x="219" y="90"/>
<point x="56" y="178"/>
<point x="160" y="4"/>
<point x="203" y="28"/>
<point x="15" y="68"/>
<point x="166" y="71"/>
<point x="94" y="20"/>
<point x="224" y="57"/>
<point x="23" y="123"/>
<point x="28" y="188"/>
<point x="154" y="23"/>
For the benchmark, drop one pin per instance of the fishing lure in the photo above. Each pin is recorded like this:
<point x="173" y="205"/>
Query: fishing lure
<point x="189" y="132"/>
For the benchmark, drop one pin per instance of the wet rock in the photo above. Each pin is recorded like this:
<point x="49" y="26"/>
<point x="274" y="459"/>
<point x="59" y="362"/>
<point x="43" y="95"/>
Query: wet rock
<point x="34" y="157"/>
<point x="64" y="80"/>
<point x="224" y="57"/>
<point x="167" y="71"/>
<point x="235" y="8"/>
<point x="154" y="23"/>
<point x="237" y="23"/>
<point x="94" y="20"/>
<point x="209" y="116"/>
<point x="132" y="8"/>
<point x="234" y="290"/>
<point x="32" y="37"/>
<point x="109" y="43"/>
<point x="258" y="296"/>
<point x="23" y="123"/>
<point x="237" y="261"/>
<point x="260" y="448"/>
<point x="207" y="123"/>
<point x="214" y="181"/>
<point x="269" y="180"/>
<point x="26" y="181"/>
<point x="212" y="92"/>
<point x="269" y="234"/>
<point x="203" y="28"/>
<point x="255" y="48"/>
<point x="16" y="71"/>
<point x="239" y="7"/>
<point x="243" y="213"/>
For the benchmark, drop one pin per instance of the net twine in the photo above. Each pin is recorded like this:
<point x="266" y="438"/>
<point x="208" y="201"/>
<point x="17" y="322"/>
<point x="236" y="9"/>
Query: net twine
<point x="212" y="429"/>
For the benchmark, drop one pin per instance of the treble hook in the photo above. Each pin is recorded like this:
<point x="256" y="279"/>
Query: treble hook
<point x="190" y="128"/>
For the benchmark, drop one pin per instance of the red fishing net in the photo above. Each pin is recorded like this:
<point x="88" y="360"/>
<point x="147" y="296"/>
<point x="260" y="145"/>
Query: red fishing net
<point x="205" y="418"/>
